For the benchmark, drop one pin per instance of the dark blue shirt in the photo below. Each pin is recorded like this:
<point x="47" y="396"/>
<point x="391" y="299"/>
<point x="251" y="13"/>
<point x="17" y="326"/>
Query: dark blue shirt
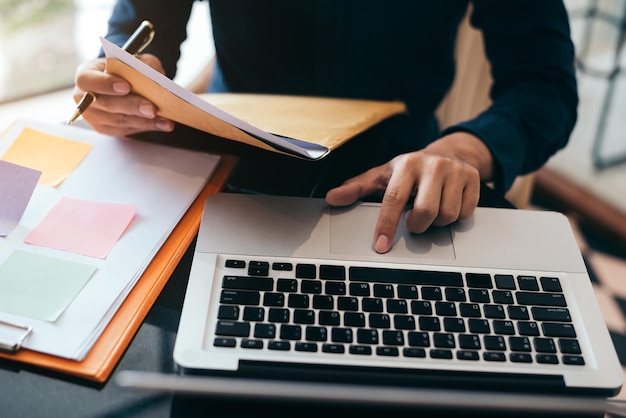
<point x="391" y="50"/>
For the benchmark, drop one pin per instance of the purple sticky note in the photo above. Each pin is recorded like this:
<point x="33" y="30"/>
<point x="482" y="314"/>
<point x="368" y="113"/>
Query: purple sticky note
<point x="17" y="184"/>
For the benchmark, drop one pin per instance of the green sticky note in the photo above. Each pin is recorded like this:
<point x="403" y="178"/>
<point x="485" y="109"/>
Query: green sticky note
<point x="38" y="286"/>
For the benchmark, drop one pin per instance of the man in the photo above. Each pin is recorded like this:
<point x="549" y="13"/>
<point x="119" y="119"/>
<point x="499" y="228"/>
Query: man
<point x="393" y="50"/>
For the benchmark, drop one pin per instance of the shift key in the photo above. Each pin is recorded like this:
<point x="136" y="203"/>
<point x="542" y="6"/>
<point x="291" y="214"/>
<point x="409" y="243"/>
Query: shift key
<point x="232" y="329"/>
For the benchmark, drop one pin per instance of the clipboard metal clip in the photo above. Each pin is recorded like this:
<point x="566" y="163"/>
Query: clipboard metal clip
<point x="12" y="346"/>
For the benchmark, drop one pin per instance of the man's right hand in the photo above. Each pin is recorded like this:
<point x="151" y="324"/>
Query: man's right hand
<point x="116" y="111"/>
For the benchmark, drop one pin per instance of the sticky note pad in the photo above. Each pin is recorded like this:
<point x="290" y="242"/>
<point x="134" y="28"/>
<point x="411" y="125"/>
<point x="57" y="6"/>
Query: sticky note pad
<point x="82" y="226"/>
<point x="39" y="286"/>
<point x="54" y="156"/>
<point x="17" y="184"/>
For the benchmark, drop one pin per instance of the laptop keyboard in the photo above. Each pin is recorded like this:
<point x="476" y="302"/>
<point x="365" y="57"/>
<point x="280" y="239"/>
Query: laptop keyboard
<point x="402" y="313"/>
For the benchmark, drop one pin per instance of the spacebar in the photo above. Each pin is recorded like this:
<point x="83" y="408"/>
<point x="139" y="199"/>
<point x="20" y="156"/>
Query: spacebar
<point x="420" y="277"/>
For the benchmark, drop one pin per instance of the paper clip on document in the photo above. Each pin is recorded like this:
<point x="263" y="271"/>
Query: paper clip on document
<point x="12" y="346"/>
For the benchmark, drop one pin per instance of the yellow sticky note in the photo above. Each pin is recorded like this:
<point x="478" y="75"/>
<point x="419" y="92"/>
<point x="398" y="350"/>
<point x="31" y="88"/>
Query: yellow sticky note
<point x="54" y="156"/>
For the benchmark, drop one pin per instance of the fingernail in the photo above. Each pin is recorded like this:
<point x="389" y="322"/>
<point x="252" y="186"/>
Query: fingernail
<point x="147" y="110"/>
<point x="382" y="244"/>
<point x="121" y="88"/>
<point x="164" y="125"/>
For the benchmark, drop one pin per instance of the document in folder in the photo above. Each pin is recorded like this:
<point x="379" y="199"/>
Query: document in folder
<point x="305" y="127"/>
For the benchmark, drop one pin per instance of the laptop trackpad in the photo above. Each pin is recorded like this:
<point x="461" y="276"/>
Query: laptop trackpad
<point x="352" y="231"/>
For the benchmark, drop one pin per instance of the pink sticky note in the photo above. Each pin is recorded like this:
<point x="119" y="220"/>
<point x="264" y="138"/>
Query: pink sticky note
<point x="83" y="227"/>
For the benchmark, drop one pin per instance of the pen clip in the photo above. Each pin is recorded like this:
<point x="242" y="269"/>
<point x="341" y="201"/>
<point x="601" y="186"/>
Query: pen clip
<point x="140" y="39"/>
<point x="13" y="346"/>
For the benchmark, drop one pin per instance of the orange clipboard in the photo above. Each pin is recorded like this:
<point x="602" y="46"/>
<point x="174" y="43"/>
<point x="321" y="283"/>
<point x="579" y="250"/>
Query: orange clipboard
<point x="101" y="360"/>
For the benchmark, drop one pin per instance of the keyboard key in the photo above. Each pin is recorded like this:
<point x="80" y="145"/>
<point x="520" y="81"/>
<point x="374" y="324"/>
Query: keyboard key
<point x="540" y="299"/>
<point x="329" y="318"/>
<point x="427" y="323"/>
<point x="359" y="289"/>
<point x="441" y="354"/>
<point x="253" y="314"/>
<point x="455" y="294"/>
<point x="341" y="335"/>
<point x="235" y="264"/>
<point x="279" y="345"/>
<point x="520" y="358"/>
<point x="421" y="308"/>
<point x="335" y="288"/>
<point x="328" y="272"/>
<point x="470" y="310"/>
<point x="333" y="348"/>
<point x="555" y="329"/>
<point x="278" y="266"/>
<point x="467" y="355"/>
<point x="225" y="342"/>
<point x="573" y="360"/>
<point x="469" y="341"/>
<point x="383" y="290"/>
<point x="478" y="326"/>
<point x="379" y="320"/>
<point x="290" y="332"/>
<point x="316" y="334"/>
<point x="372" y="304"/>
<point x="264" y="331"/>
<point x="248" y="283"/>
<point x="519" y="344"/>
<point x="367" y="336"/>
<point x="551" y="284"/>
<point x="393" y="337"/>
<point x="547" y="359"/>
<point x="494" y="311"/>
<point x="494" y="356"/>
<point x="232" y="329"/>
<point x="274" y="299"/>
<point x="444" y="340"/>
<point x="311" y="286"/>
<point x="308" y="347"/>
<point x="494" y="342"/>
<point x="228" y="312"/>
<point x="296" y="300"/>
<point x="418" y="339"/>
<point x="406" y="291"/>
<point x="479" y="280"/>
<point x="240" y="297"/>
<point x="569" y="346"/>
<point x="544" y="345"/>
<point x="528" y="283"/>
<point x="505" y="281"/>
<point x="404" y="322"/>
<point x="256" y="344"/>
<point x="387" y="351"/>
<point x="354" y="319"/>
<point x="397" y="306"/>
<point x="323" y="302"/>
<point x="528" y="328"/>
<point x="551" y="314"/>
<point x="414" y="352"/>
<point x="346" y="303"/>
<point x="306" y="271"/>
<point x="454" y="324"/>
<point x="432" y="293"/>
<point x="479" y="295"/>
<point x="503" y="327"/>
<point x="445" y="308"/>
<point x="304" y="316"/>
<point x="400" y="276"/>
<point x="504" y="297"/>
<point x="518" y="312"/>
<point x="361" y="350"/>
<point x="287" y="285"/>
<point x="278" y="315"/>
<point x="258" y="268"/>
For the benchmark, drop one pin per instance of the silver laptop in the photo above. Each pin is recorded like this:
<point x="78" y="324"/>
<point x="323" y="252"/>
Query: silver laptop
<point x="290" y="289"/>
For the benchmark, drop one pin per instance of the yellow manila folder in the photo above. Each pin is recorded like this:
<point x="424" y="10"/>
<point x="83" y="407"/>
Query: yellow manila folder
<point x="305" y="127"/>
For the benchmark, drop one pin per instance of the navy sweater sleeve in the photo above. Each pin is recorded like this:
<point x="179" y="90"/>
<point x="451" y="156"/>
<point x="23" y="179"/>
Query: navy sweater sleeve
<point x="170" y="25"/>
<point x="534" y="93"/>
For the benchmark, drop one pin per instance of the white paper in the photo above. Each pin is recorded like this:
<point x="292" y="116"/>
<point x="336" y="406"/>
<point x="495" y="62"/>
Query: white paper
<point x="161" y="181"/>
